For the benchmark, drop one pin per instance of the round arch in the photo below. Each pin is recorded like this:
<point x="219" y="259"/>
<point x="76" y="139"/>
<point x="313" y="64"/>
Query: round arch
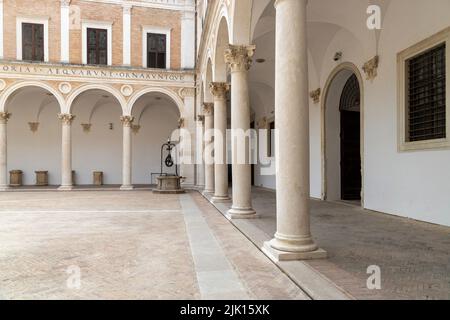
<point x="77" y="92"/>
<point x="352" y="68"/>
<point x="222" y="42"/>
<point x="175" y="98"/>
<point x="12" y="89"/>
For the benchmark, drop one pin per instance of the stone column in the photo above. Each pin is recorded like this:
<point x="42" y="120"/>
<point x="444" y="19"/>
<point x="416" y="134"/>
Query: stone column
<point x="200" y="151"/>
<point x="127" y="122"/>
<point x="239" y="61"/>
<point x="208" y="111"/>
<point x="66" y="158"/>
<point x="4" y="117"/>
<point x="293" y="240"/>
<point x="219" y="91"/>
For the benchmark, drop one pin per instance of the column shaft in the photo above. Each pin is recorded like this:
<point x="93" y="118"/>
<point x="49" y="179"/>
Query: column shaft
<point x="4" y="116"/>
<point x="208" y="110"/>
<point x="293" y="238"/>
<point x="239" y="60"/>
<point x="219" y="91"/>
<point x="66" y="152"/>
<point x="127" y="121"/>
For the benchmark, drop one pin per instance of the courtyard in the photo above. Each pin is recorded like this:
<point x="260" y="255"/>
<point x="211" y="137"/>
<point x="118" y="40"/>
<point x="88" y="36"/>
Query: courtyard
<point x="137" y="245"/>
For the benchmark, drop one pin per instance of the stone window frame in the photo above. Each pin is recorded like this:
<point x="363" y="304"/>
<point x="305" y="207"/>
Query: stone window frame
<point x="402" y="58"/>
<point x="87" y="24"/>
<point x="158" y="30"/>
<point x="35" y="20"/>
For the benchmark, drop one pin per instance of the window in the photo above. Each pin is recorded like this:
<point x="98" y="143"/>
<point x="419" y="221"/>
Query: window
<point x="96" y="40"/>
<point x="97" y="46"/>
<point x="156" y="50"/>
<point x="32" y="42"/>
<point x="424" y="94"/>
<point x="156" y="47"/>
<point x="32" y="39"/>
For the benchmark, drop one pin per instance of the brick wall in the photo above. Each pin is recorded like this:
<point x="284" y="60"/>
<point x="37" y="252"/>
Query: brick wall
<point x="94" y="12"/>
<point x="32" y="9"/>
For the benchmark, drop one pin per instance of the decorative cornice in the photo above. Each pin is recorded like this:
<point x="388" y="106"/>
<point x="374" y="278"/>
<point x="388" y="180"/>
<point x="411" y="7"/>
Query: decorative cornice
<point x="315" y="95"/>
<point x="4" y="117"/>
<point x="208" y="109"/>
<point x="219" y="89"/>
<point x="371" y="68"/>
<point x="34" y="126"/>
<point x="239" y="58"/>
<point x="127" y="121"/>
<point x="66" y="118"/>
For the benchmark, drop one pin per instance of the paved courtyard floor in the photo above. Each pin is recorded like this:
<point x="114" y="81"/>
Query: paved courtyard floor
<point x="128" y="245"/>
<point x="413" y="257"/>
<point x="137" y="245"/>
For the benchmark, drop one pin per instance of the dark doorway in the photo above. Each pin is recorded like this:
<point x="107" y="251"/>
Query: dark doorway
<point x="350" y="103"/>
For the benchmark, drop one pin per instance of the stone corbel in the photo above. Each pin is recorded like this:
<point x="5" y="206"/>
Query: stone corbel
<point x="86" y="127"/>
<point x="34" y="126"/>
<point x="315" y="95"/>
<point x="4" y="117"/>
<point x="181" y="123"/>
<point x="135" y="128"/>
<point x="371" y="68"/>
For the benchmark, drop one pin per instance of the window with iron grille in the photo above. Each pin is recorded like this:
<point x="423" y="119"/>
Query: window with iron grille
<point x="426" y="95"/>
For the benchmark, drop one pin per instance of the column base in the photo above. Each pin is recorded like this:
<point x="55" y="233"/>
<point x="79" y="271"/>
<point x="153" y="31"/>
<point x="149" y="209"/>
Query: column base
<point x="65" y="188"/>
<point x="235" y="213"/>
<point x="4" y="188"/>
<point x="220" y="199"/>
<point x="277" y="255"/>
<point x="126" y="188"/>
<point x="207" y="192"/>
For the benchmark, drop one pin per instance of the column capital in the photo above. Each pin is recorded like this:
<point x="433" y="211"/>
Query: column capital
<point x="127" y="121"/>
<point x="127" y="8"/>
<point x="65" y="3"/>
<point x="219" y="89"/>
<point x="208" y="108"/>
<point x="66" y="118"/>
<point x="239" y="57"/>
<point x="4" y="117"/>
<point x="277" y="2"/>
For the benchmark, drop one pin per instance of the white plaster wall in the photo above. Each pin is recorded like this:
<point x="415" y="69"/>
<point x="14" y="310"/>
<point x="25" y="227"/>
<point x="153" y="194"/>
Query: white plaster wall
<point x="157" y="124"/>
<point x="101" y="148"/>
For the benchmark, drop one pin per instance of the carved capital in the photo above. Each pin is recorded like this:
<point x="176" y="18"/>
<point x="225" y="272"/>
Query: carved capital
<point x="127" y="121"/>
<point x="371" y="68"/>
<point x="208" y="109"/>
<point x="66" y="118"/>
<point x="219" y="89"/>
<point x="127" y="8"/>
<point x="4" y="117"/>
<point x="262" y="124"/>
<point x="315" y="95"/>
<point x="239" y="58"/>
<point x="65" y="3"/>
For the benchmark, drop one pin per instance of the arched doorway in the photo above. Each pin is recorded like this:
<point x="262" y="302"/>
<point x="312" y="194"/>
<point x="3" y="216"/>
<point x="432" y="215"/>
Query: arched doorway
<point x="350" y="108"/>
<point x="342" y="135"/>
